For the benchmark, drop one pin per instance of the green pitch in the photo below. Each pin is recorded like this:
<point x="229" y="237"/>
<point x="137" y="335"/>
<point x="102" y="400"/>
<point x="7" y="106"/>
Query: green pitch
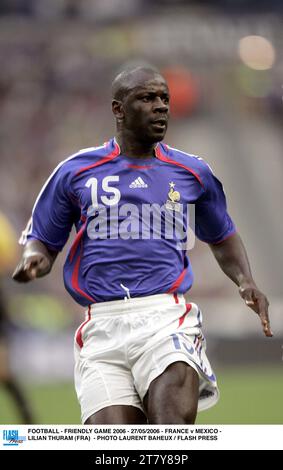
<point x="248" y="396"/>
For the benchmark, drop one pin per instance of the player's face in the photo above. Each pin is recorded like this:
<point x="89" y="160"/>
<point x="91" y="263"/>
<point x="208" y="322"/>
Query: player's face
<point x="146" y="110"/>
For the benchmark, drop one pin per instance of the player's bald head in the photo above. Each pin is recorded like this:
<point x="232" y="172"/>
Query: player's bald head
<point x="132" y="78"/>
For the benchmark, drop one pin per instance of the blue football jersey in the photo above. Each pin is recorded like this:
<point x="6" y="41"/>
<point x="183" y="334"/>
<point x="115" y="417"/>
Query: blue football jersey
<point x="131" y="217"/>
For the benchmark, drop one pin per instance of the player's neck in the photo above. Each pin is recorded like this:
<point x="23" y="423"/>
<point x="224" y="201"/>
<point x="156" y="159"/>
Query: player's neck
<point x="134" y="149"/>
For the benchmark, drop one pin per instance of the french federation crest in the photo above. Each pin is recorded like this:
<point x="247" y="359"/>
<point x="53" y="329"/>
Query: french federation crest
<point x="172" y="203"/>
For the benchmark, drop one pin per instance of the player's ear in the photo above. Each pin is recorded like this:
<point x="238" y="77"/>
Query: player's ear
<point x="118" y="110"/>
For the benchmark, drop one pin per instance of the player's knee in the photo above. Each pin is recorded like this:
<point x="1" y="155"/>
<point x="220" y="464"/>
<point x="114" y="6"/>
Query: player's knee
<point x="173" y="397"/>
<point x="177" y="405"/>
<point x="90" y="419"/>
<point x="173" y="414"/>
<point x="190" y="414"/>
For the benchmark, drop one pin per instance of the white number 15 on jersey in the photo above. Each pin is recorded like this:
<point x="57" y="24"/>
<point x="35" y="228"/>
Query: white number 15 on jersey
<point x="107" y="200"/>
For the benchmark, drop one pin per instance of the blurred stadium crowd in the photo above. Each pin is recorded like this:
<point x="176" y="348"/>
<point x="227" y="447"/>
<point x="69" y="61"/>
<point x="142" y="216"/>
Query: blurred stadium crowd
<point x="113" y="9"/>
<point x="224" y="66"/>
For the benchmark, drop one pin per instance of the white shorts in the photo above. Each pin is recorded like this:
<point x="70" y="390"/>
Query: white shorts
<point x="124" y="345"/>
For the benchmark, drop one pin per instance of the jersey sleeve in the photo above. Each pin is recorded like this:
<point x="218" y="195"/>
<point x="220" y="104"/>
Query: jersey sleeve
<point x="54" y="213"/>
<point x="212" y="221"/>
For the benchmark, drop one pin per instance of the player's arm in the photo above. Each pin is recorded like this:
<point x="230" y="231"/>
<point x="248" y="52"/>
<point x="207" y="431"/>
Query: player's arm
<point x="232" y="257"/>
<point x="37" y="261"/>
<point x="215" y="227"/>
<point x="49" y="227"/>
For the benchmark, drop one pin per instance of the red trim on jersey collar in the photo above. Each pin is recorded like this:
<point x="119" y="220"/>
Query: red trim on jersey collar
<point x="105" y="159"/>
<point x="161" y="155"/>
<point x="134" y="165"/>
<point x="139" y="167"/>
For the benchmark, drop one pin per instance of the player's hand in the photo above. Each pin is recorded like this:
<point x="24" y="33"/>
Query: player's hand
<point x="258" y="302"/>
<point x="32" y="266"/>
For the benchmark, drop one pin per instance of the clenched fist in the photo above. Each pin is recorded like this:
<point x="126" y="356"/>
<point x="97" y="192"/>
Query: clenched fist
<point x="36" y="262"/>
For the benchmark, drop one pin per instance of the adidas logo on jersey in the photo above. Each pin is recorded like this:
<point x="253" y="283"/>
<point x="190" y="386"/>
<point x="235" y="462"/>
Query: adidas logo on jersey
<point x="138" y="183"/>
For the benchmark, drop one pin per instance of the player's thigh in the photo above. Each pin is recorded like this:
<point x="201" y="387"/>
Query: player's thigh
<point x="173" y="396"/>
<point x="107" y="394"/>
<point x="118" y="414"/>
